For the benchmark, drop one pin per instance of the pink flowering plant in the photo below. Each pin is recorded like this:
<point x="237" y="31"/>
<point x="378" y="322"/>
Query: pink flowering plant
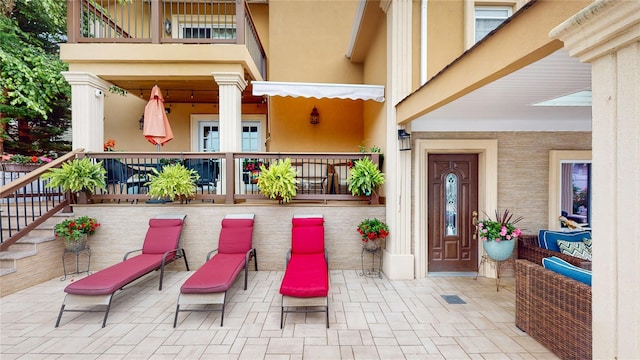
<point x="372" y="230"/>
<point x="502" y="228"/>
<point x="25" y="159"/>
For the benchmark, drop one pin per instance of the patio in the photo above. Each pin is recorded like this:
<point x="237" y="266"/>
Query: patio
<point x="370" y="318"/>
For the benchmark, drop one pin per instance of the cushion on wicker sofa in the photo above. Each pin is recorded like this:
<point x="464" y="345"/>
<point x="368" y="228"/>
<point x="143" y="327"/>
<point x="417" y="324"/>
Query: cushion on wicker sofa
<point x="576" y="249"/>
<point x="548" y="239"/>
<point x="564" y="268"/>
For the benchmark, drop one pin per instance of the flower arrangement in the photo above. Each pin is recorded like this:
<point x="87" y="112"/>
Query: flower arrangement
<point x="24" y="159"/>
<point x="110" y="145"/>
<point x="502" y="228"/>
<point x="372" y="230"/>
<point x="76" y="229"/>
<point x="251" y="164"/>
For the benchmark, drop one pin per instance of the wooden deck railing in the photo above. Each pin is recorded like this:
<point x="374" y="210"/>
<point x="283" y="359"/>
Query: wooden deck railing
<point x="165" y="21"/>
<point x="227" y="178"/>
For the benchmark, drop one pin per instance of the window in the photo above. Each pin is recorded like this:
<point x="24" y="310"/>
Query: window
<point x="569" y="186"/>
<point x="488" y="18"/>
<point x="203" y="27"/>
<point x="209" y="136"/>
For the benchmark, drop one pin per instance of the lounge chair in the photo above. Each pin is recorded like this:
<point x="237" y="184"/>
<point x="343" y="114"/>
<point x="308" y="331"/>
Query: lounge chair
<point x="210" y="283"/>
<point x="160" y="247"/>
<point x="306" y="278"/>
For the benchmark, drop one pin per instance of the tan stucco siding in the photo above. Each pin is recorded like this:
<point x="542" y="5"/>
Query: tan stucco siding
<point x="445" y="29"/>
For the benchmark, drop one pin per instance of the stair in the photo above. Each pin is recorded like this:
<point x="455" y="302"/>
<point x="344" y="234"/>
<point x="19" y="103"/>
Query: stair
<point x="28" y="245"/>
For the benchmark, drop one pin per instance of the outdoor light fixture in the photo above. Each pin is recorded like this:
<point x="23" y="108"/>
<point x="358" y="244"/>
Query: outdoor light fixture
<point x="167" y="26"/>
<point x="314" y="118"/>
<point x="141" y="122"/>
<point x="404" y="140"/>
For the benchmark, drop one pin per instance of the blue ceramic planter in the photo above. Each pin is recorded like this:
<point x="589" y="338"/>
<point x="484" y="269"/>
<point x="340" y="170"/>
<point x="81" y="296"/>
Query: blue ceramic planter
<point x="499" y="250"/>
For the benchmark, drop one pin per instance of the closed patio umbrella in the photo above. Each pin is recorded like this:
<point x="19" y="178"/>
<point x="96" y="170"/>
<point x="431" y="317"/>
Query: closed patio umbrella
<point x="156" y="124"/>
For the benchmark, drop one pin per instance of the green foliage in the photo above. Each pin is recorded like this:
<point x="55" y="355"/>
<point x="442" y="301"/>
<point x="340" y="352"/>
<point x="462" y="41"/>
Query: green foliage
<point x="75" y="229"/>
<point x="77" y="175"/>
<point x="278" y="180"/>
<point x="34" y="96"/>
<point x="372" y="229"/>
<point x="173" y="181"/>
<point x="364" y="177"/>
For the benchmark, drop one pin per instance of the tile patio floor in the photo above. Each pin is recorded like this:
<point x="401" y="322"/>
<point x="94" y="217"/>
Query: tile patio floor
<point x="370" y="318"/>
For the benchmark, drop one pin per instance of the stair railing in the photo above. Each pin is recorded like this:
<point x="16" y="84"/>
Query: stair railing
<point x="26" y="202"/>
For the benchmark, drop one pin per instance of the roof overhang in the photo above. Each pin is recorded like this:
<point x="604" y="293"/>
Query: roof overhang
<point x="319" y="90"/>
<point x="527" y="38"/>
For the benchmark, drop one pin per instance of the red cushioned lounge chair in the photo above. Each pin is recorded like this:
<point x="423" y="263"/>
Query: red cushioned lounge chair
<point x="160" y="247"/>
<point x="306" y="278"/>
<point x="210" y="283"/>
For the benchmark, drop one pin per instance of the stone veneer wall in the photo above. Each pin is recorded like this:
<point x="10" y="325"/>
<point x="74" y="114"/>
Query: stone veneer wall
<point x="123" y="228"/>
<point x="523" y="164"/>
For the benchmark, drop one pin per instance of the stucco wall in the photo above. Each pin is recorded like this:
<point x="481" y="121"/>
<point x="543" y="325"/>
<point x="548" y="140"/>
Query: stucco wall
<point x="523" y="165"/>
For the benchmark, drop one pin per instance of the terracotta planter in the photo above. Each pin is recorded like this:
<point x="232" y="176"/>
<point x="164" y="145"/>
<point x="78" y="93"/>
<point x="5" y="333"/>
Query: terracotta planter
<point x="25" y="168"/>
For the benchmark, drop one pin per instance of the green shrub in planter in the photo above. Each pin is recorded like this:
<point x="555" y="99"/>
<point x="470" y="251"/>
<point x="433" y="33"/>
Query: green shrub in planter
<point x="278" y="180"/>
<point x="77" y="175"/>
<point x="173" y="181"/>
<point x="364" y="177"/>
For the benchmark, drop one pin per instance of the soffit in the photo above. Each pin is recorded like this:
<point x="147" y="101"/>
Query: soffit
<point x="506" y="104"/>
<point x="366" y="30"/>
<point x="517" y="43"/>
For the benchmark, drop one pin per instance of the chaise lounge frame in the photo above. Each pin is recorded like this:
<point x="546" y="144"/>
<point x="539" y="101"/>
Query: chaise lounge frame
<point x="209" y="284"/>
<point x="93" y="291"/>
<point x="296" y="294"/>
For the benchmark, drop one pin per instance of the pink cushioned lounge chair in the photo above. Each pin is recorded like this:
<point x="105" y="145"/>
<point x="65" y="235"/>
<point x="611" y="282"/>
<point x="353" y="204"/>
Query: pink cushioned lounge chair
<point x="210" y="283"/>
<point x="306" y="278"/>
<point x="160" y="247"/>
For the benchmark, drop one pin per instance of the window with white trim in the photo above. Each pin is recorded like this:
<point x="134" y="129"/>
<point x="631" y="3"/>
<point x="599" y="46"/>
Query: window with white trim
<point x="209" y="136"/>
<point x="203" y="27"/>
<point x="487" y="18"/>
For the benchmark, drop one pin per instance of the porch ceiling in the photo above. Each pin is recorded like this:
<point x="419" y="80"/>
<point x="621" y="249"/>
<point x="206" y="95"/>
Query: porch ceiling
<point x="508" y="101"/>
<point x="182" y="90"/>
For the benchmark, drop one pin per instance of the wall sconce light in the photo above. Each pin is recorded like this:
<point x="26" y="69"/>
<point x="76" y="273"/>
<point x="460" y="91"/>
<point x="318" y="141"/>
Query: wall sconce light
<point x="141" y="122"/>
<point x="167" y="26"/>
<point x="314" y="118"/>
<point x="404" y="140"/>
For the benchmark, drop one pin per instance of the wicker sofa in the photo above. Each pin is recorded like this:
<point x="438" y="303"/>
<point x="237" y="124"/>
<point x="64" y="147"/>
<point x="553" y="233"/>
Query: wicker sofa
<point x="554" y="310"/>
<point x="528" y="249"/>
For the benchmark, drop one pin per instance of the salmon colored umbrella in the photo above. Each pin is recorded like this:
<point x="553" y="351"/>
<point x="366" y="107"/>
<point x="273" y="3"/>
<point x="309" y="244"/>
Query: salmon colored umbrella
<point x="156" y="124"/>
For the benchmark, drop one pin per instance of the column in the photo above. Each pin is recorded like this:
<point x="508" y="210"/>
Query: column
<point x="87" y="110"/>
<point x="231" y="85"/>
<point x="399" y="262"/>
<point x="607" y="35"/>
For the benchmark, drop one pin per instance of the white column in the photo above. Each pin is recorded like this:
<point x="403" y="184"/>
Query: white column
<point x="398" y="258"/>
<point x="231" y="85"/>
<point x="87" y="110"/>
<point x="607" y="35"/>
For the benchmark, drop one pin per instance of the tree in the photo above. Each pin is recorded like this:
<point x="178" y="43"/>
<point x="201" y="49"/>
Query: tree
<point x="34" y="96"/>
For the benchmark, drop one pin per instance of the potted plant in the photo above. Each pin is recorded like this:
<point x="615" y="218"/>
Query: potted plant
<point x="175" y="180"/>
<point x="372" y="231"/>
<point x="77" y="176"/>
<point x="23" y="163"/>
<point x="499" y="235"/>
<point x="251" y="170"/>
<point x="278" y="180"/>
<point x="74" y="232"/>
<point x="364" y="177"/>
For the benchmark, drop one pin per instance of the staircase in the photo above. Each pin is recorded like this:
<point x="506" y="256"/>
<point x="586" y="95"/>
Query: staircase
<point x="32" y="259"/>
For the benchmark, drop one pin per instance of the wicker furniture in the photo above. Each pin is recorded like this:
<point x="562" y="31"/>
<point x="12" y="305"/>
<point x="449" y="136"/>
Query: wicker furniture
<point x="528" y="249"/>
<point x="554" y="310"/>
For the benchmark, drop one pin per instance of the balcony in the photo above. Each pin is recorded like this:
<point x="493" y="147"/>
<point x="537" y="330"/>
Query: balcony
<point x="165" y="22"/>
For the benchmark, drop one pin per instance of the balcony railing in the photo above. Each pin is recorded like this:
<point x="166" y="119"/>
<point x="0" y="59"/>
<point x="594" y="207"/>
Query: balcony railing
<point x="165" y="21"/>
<point x="224" y="178"/>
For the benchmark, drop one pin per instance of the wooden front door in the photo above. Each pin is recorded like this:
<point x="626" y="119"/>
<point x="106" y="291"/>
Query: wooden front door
<point x="453" y="196"/>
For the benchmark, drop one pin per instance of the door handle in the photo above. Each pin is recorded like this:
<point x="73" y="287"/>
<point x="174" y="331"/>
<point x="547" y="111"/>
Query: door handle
<point x="474" y="221"/>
